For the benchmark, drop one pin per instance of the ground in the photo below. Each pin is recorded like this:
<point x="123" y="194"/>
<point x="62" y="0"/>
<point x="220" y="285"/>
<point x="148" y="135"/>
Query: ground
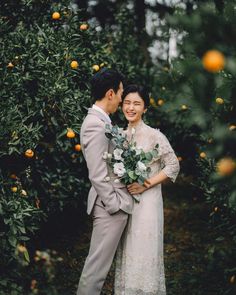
<point x="187" y="237"/>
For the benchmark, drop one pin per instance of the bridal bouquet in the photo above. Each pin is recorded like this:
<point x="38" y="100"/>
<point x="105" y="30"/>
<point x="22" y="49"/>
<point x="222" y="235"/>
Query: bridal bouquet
<point x="128" y="161"/>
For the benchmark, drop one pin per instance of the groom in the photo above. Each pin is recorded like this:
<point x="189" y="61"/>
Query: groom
<point x="108" y="202"/>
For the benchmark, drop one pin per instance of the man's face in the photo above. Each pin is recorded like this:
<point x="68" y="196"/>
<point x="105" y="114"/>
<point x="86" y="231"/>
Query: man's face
<point x="116" y="99"/>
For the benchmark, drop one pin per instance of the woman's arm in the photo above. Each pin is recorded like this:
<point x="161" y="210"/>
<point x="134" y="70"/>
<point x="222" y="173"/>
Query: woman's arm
<point x="136" y="188"/>
<point x="170" y="165"/>
<point x="155" y="179"/>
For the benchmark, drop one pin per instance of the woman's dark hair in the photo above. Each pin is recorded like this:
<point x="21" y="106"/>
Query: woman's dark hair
<point x="104" y="80"/>
<point x="142" y="92"/>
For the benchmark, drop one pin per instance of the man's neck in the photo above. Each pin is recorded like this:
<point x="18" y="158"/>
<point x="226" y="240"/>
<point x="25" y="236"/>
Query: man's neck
<point x="102" y="105"/>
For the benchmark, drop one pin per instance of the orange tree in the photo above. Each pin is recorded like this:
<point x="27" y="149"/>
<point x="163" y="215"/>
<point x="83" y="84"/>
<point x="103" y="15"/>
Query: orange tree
<point x="48" y="55"/>
<point x="195" y="104"/>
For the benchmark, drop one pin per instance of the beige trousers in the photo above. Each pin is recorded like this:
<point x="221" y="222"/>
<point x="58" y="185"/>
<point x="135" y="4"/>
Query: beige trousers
<point x="107" y="231"/>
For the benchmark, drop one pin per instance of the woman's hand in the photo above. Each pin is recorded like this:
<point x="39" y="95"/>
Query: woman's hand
<point x="147" y="184"/>
<point x="136" y="188"/>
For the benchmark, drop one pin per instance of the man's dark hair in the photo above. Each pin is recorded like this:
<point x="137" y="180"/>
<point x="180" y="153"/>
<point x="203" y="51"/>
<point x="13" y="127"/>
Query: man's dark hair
<point x="142" y="92"/>
<point x="104" y="80"/>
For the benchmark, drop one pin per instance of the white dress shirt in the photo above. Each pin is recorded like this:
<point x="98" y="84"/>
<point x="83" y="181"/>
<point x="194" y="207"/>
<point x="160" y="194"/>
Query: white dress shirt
<point x="97" y="108"/>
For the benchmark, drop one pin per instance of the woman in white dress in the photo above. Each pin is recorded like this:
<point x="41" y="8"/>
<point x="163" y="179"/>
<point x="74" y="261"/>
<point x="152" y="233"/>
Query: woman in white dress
<point x="139" y="263"/>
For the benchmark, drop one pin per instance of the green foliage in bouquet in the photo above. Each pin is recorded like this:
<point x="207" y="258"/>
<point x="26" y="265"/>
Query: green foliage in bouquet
<point x="128" y="161"/>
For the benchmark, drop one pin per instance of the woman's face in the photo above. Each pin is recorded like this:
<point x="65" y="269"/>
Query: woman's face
<point x="133" y="107"/>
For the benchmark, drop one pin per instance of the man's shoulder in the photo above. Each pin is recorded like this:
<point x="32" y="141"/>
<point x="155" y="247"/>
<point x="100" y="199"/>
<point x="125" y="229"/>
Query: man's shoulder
<point x="92" y="123"/>
<point x="92" y="119"/>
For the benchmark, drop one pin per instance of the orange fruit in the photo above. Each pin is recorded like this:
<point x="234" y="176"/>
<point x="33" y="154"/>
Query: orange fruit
<point x="83" y="27"/>
<point x="96" y="68"/>
<point x="70" y="133"/>
<point x="78" y="147"/>
<point x="56" y="15"/>
<point x="213" y="61"/>
<point x="203" y="155"/>
<point x="10" y="65"/>
<point x="33" y="284"/>
<point x="74" y="64"/>
<point x="210" y="140"/>
<point x="219" y="100"/>
<point x="14" y="189"/>
<point x="152" y="101"/>
<point x="13" y="176"/>
<point x="226" y="166"/>
<point x="29" y="153"/>
<point x="160" y="102"/>
<point x="232" y="279"/>
<point x="21" y="248"/>
<point x="232" y="127"/>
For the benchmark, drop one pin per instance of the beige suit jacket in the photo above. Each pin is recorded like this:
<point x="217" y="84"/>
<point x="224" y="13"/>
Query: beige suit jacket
<point x="114" y="196"/>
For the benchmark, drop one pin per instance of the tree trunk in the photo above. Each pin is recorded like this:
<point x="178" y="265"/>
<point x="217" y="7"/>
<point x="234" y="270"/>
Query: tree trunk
<point x="140" y="19"/>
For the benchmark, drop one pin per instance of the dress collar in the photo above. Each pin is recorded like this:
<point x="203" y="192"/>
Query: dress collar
<point x="137" y="126"/>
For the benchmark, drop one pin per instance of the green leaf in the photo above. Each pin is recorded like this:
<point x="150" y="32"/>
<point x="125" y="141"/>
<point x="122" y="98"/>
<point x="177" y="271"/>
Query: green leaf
<point x="154" y="153"/>
<point x="26" y="255"/>
<point x="149" y="156"/>
<point x="132" y="175"/>
<point x="12" y="240"/>
<point x="219" y="239"/>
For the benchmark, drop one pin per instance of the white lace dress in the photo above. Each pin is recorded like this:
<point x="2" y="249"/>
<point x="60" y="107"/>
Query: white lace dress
<point x="139" y="261"/>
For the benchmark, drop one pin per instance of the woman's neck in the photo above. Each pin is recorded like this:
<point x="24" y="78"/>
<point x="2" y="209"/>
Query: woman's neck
<point x="135" y="124"/>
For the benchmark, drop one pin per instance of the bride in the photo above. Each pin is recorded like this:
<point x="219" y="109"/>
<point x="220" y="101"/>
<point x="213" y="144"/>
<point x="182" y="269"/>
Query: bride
<point x="139" y="263"/>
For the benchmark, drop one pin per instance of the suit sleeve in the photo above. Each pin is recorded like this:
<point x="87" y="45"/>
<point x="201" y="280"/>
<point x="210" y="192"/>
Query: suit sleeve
<point x="95" y="143"/>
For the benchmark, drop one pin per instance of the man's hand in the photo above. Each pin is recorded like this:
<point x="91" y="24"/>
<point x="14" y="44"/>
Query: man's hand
<point x="136" y="188"/>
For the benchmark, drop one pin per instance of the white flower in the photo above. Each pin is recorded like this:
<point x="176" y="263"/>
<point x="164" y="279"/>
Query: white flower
<point x="117" y="180"/>
<point x="117" y="154"/>
<point x="107" y="178"/>
<point x="138" y="150"/>
<point x="133" y="130"/>
<point x="105" y="155"/>
<point x="109" y="156"/>
<point x="119" y="169"/>
<point x="141" y="167"/>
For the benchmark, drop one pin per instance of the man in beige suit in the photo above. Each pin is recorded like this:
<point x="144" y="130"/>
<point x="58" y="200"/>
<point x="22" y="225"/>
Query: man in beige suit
<point x="108" y="202"/>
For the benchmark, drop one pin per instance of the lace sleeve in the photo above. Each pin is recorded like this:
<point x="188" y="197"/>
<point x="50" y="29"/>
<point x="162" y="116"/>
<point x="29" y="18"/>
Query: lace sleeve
<point x="169" y="162"/>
